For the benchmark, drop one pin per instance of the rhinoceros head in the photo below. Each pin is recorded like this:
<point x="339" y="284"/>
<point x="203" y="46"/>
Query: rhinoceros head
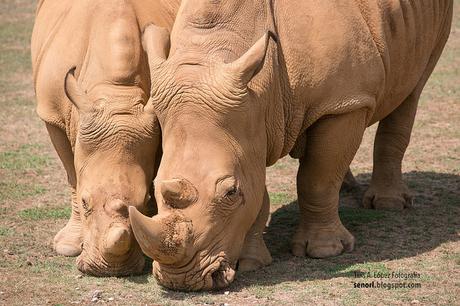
<point x="116" y="141"/>
<point x="210" y="183"/>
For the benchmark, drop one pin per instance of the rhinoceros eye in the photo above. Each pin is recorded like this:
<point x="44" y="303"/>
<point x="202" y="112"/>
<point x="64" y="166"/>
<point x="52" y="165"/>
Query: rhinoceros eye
<point x="232" y="192"/>
<point x="227" y="190"/>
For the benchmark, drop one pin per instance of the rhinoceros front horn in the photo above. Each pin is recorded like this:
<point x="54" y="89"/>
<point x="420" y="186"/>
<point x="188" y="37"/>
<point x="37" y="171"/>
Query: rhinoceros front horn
<point x="178" y="193"/>
<point x="73" y="91"/>
<point x="162" y="238"/>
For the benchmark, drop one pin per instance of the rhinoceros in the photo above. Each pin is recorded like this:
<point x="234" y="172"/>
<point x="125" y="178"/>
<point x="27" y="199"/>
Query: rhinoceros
<point x="248" y="82"/>
<point x="92" y="85"/>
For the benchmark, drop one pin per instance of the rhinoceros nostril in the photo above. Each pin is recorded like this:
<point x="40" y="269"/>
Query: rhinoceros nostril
<point x="222" y="277"/>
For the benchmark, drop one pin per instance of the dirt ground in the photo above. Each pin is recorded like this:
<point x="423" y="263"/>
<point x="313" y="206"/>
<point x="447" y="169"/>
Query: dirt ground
<point x="422" y="242"/>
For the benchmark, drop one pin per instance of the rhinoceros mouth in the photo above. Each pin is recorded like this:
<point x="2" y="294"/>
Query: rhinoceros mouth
<point x="209" y="273"/>
<point x="93" y="263"/>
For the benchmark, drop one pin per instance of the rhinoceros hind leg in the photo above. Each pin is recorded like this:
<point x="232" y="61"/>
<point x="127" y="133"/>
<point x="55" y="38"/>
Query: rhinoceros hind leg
<point x="68" y="240"/>
<point x="387" y="189"/>
<point x="388" y="197"/>
<point x="330" y="147"/>
<point x="255" y="254"/>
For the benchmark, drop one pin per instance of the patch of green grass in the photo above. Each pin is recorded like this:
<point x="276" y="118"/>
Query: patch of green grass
<point x="4" y="231"/>
<point x="16" y="191"/>
<point x="277" y="198"/>
<point x="261" y="292"/>
<point x="452" y="257"/>
<point x="367" y="267"/>
<point x="450" y="199"/>
<point x="23" y="158"/>
<point x="53" y="265"/>
<point x="41" y="213"/>
<point x="358" y="216"/>
<point x="352" y="297"/>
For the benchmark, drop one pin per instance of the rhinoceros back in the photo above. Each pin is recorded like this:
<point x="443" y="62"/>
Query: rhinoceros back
<point x="100" y="38"/>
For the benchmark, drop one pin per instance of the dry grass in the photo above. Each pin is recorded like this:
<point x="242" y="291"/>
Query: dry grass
<point x="34" y="206"/>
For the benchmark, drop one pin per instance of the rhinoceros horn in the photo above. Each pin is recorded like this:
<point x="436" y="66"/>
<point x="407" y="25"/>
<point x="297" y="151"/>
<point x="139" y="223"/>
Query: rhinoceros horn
<point x="74" y="92"/>
<point x="178" y="193"/>
<point x="162" y="238"/>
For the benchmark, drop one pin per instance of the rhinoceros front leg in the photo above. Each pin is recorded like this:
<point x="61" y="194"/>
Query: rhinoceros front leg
<point x="68" y="240"/>
<point x="331" y="145"/>
<point x="255" y="253"/>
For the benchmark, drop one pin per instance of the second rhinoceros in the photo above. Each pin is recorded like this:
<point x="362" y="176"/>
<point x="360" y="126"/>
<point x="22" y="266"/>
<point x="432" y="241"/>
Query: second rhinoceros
<point x="248" y="82"/>
<point x="92" y="86"/>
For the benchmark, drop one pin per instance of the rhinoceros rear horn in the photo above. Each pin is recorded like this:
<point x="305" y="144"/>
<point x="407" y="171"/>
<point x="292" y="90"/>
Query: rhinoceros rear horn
<point x="251" y="62"/>
<point x="178" y="193"/>
<point x="73" y="91"/>
<point x="155" y="41"/>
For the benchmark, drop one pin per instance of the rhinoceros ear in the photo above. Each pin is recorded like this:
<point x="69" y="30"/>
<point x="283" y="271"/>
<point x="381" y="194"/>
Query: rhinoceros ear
<point x="73" y="91"/>
<point x="155" y="41"/>
<point x="251" y="62"/>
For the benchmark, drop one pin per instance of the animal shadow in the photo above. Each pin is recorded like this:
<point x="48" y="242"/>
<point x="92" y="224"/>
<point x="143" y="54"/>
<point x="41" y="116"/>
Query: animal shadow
<point x="380" y="235"/>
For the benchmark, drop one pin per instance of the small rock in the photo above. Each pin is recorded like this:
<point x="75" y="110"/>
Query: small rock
<point x="28" y="262"/>
<point x="227" y="292"/>
<point x="77" y="288"/>
<point x="415" y="302"/>
<point x="78" y="276"/>
<point x="97" y="294"/>
<point x="110" y="299"/>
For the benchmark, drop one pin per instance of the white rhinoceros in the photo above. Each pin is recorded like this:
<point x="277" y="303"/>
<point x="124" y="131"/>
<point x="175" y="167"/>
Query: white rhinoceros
<point x="248" y="82"/>
<point x="92" y="85"/>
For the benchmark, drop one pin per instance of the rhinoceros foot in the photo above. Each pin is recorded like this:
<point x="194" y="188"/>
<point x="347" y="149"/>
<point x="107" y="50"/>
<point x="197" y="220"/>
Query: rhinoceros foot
<point x="68" y="240"/>
<point x="388" y="197"/>
<point x="255" y="258"/>
<point x="322" y="241"/>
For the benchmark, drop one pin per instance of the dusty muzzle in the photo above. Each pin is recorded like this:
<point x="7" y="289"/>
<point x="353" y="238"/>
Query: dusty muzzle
<point x="167" y="239"/>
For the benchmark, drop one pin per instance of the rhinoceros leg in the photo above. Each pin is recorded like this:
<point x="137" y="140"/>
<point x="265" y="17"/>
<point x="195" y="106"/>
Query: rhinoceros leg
<point x="330" y="147"/>
<point x="68" y="240"/>
<point x="255" y="253"/>
<point x="387" y="189"/>
<point x="349" y="182"/>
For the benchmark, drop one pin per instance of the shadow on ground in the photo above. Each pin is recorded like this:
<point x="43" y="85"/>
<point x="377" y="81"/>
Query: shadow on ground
<point x="380" y="235"/>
